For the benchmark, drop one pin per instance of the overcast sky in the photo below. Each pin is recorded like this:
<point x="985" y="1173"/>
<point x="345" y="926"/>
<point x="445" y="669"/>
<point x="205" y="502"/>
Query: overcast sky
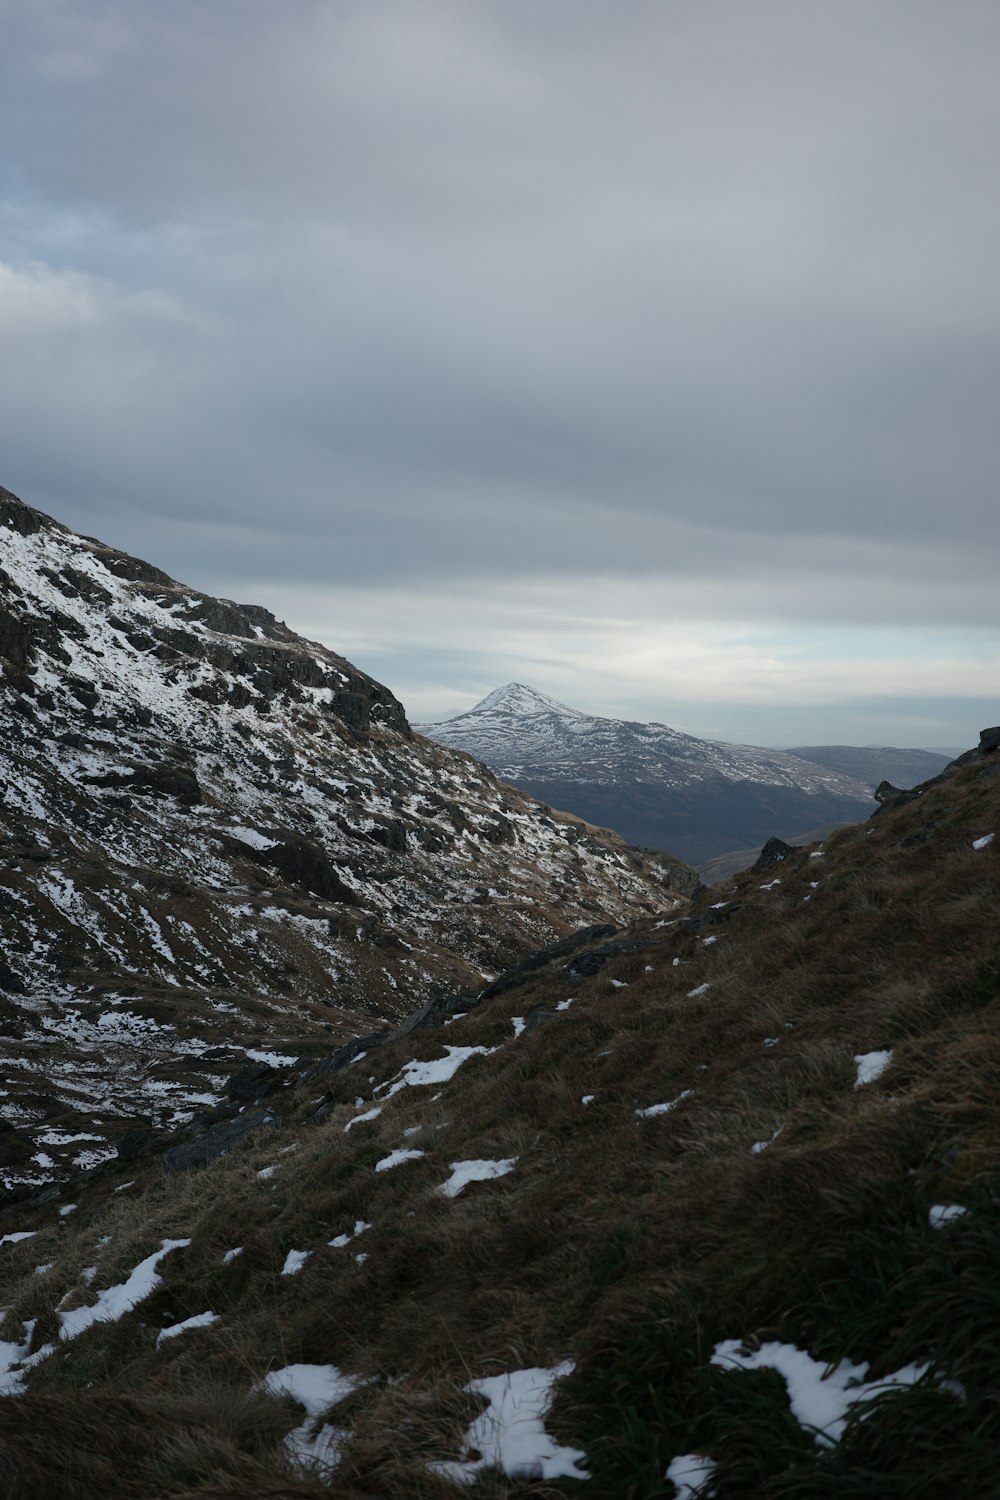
<point x="647" y="351"/>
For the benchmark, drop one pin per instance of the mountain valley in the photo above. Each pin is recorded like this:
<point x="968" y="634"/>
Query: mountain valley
<point x="371" y="1131"/>
<point x="222" y="847"/>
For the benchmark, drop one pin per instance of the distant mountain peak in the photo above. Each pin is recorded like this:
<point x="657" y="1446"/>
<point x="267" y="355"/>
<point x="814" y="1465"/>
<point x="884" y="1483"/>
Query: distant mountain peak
<point x="519" y="699"/>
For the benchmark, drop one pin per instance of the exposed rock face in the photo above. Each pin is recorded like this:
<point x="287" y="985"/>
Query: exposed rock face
<point x="221" y="844"/>
<point x="653" y="785"/>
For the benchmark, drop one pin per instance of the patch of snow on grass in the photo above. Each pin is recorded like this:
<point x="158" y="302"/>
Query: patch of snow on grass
<point x="588" y="1099"/>
<point x="369" y="1114"/>
<point x="345" y="1239"/>
<point x="314" y="1386"/>
<point x="294" y="1261"/>
<point x="17" y="1236"/>
<point x="700" y="989"/>
<point x="200" y="1320"/>
<point x="518" y="1023"/>
<point x="987" y="838"/>
<point x="820" y="1397"/>
<point x="231" y="1255"/>
<point x="662" y="1109"/>
<point x="510" y="1434"/>
<point x="871" y="1065"/>
<point x="463" y="1172"/>
<point x="395" y="1158"/>
<point x="437" y="1070"/>
<point x="317" y="1388"/>
<point x="759" y="1146"/>
<point x="945" y="1213"/>
<point x="115" y="1301"/>
<point x="689" y="1473"/>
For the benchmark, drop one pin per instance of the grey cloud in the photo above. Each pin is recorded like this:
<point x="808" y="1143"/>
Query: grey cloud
<point x="381" y="290"/>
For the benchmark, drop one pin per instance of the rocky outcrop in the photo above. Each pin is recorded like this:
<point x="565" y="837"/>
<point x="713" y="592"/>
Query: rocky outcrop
<point x="773" y="853"/>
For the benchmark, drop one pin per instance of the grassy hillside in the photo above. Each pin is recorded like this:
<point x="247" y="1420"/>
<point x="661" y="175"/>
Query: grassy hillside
<point x="766" y="1126"/>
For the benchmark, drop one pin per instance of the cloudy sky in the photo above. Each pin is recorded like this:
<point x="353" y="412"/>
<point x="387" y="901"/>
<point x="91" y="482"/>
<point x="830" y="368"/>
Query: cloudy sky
<point x="647" y="351"/>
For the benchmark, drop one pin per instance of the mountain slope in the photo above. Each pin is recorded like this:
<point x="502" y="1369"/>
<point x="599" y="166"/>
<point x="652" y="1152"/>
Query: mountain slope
<point x="873" y="764"/>
<point x="721" y="1187"/>
<point x="652" y="784"/>
<point x="221" y="842"/>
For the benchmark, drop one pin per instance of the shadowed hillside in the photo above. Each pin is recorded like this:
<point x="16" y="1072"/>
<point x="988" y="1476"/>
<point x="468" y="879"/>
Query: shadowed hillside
<point x="641" y="1197"/>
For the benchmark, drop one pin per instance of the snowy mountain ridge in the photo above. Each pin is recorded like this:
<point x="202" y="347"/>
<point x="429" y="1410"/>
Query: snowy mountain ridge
<point x="515" y="728"/>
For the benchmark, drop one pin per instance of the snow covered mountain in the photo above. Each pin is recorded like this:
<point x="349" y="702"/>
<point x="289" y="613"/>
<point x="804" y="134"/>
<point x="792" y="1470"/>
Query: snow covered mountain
<point x="221" y="842"/>
<point x="652" y="784"/>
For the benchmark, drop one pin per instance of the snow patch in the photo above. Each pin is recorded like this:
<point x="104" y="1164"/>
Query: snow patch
<point x="200" y="1320"/>
<point x="820" y="1397"/>
<point x="510" y="1434"/>
<point x="341" y="1240"/>
<point x="294" y="1261"/>
<point x="317" y="1388"/>
<point x="689" y="1473"/>
<point x="871" y="1065"/>
<point x="945" y="1213"/>
<point x="662" y="1109"/>
<point x="115" y="1301"/>
<point x="463" y="1172"/>
<point x="396" y="1158"/>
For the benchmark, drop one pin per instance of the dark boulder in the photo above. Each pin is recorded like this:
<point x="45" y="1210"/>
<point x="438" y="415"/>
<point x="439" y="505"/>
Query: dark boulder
<point x="136" y="1141"/>
<point x="249" y="1084"/>
<point x="593" y="960"/>
<point x="305" y="864"/>
<point x="216" y="1141"/>
<point x="341" y="1056"/>
<point x="887" y="795"/>
<point x="773" y="853"/>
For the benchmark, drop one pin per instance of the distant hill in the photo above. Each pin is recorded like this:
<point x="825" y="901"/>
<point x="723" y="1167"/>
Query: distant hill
<point x="652" y="784"/>
<point x="874" y="763"/>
